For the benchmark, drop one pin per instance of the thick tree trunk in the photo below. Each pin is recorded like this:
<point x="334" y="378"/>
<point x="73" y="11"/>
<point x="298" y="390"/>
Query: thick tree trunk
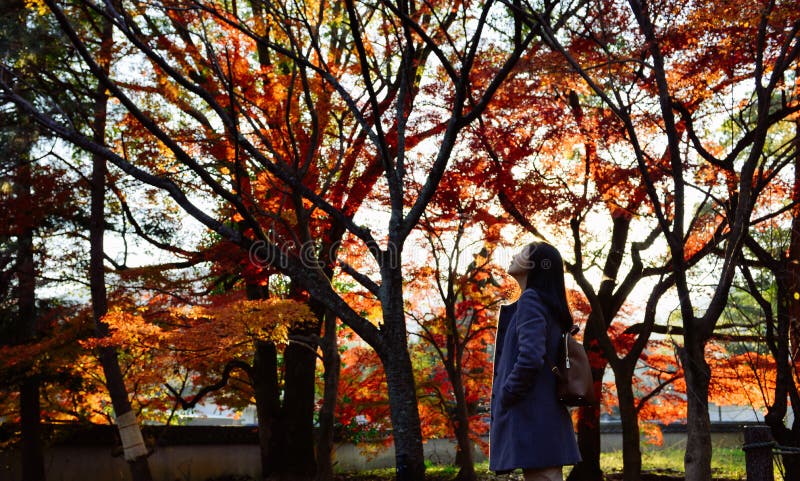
<point x="332" y="364"/>
<point x="32" y="451"/>
<point x="406" y="431"/>
<point x="133" y="446"/>
<point x="791" y="462"/>
<point x="589" y="444"/>
<point x="296" y="427"/>
<point x="589" y="423"/>
<point x="298" y="409"/>
<point x="697" y="460"/>
<point x="394" y="355"/>
<point x="404" y="413"/>
<point x="267" y="396"/>
<point x="631" y="449"/>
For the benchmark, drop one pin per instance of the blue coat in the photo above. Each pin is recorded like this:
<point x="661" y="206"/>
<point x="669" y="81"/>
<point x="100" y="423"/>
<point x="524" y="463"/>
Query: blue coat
<point x="530" y="427"/>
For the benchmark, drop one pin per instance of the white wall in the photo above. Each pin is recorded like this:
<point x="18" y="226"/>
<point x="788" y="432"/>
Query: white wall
<point x="200" y="462"/>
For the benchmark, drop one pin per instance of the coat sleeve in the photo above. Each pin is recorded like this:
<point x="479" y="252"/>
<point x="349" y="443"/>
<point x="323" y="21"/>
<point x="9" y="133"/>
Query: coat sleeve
<point x="531" y="333"/>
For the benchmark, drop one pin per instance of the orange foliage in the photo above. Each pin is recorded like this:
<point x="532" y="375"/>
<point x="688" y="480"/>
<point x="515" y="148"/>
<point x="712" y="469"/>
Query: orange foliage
<point x="161" y="343"/>
<point x="745" y="379"/>
<point x="362" y="410"/>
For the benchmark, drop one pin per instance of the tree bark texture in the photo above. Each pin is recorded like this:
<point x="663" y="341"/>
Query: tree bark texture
<point x="629" y="416"/>
<point x="298" y="409"/>
<point x="267" y="396"/>
<point x="697" y="463"/>
<point x="394" y="355"/>
<point x="332" y="363"/>
<point x="292" y="441"/>
<point x="758" y="459"/>
<point x="406" y="431"/>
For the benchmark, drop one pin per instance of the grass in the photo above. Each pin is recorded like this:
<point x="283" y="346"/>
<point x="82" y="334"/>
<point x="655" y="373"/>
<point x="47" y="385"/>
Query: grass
<point x="727" y="463"/>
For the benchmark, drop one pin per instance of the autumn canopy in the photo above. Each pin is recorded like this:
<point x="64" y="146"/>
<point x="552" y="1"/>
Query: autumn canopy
<point x="306" y="209"/>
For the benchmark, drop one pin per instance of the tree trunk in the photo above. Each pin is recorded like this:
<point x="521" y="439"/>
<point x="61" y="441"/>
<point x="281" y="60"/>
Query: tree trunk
<point x="460" y="417"/>
<point x="786" y="341"/>
<point x="785" y="387"/>
<point x="30" y="411"/>
<point x="267" y="396"/>
<point x="298" y="408"/>
<point x="464" y="457"/>
<point x="589" y="423"/>
<point x="631" y="451"/>
<point x="791" y="463"/>
<point x="394" y="355"/>
<point x="133" y="446"/>
<point x="793" y="255"/>
<point x="406" y="431"/>
<point x="332" y="364"/>
<point x="134" y="449"/>
<point x="589" y="444"/>
<point x="697" y="460"/>
<point x="266" y="392"/>
<point x="32" y="452"/>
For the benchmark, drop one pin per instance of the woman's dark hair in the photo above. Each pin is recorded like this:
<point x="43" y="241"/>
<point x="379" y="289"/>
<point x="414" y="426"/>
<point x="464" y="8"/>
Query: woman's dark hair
<point x="546" y="276"/>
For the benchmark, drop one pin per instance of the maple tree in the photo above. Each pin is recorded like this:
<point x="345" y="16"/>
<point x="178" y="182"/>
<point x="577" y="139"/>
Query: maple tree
<point x="676" y="60"/>
<point x="68" y="381"/>
<point x="233" y="361"/>
<point x="579" y="122"/>
<point x="777" y="256"/>
<point x="243" y="117"/>
<point x="362" y="407"/>
<point x="25" y="296"/>
<point x="566" y="176"/>
<point x="454" y="306"/>
<point x="180" y="354"/>
<point x="740" y="377"/>
<point x="74" y="388"/>
<point x="293" y="120"/>
<point x="33" y="201"/>
<point x="134" y="448"/>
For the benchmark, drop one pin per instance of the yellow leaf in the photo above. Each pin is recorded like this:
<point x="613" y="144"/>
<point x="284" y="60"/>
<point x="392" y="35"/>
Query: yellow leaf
<point x="37" y="5"/>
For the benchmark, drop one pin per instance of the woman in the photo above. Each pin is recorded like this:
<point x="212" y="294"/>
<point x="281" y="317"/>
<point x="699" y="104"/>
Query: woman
<point x="530" y="428"/>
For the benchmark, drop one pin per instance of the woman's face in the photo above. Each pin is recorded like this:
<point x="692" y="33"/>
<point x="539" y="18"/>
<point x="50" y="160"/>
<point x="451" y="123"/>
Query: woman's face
<point x="520" y="264"/>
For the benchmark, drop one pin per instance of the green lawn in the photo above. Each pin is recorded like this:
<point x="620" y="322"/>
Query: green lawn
<point x="726" y="462"/>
